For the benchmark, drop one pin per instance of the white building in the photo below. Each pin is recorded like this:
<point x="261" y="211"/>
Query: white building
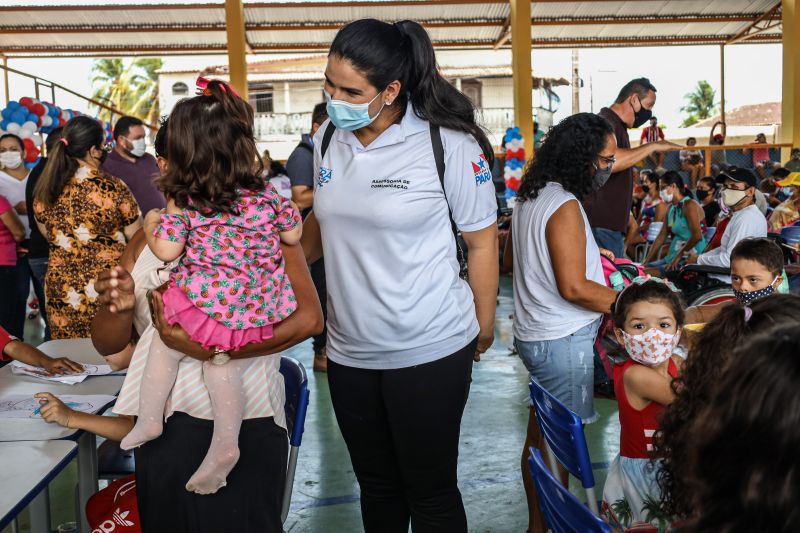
<point x="284" y="91"/>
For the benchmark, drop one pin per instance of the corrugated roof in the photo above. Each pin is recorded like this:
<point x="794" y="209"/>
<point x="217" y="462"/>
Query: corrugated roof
<point x="312" y="67"/>
<point x="171" y="27"/>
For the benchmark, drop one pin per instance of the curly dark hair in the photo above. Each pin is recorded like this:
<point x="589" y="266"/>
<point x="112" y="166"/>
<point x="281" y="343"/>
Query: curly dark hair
<point x="651" y="291"/>
<point x="742" y="470"/>
<point x="566" y="156"/>
<point x="212" y="151"/>
<point x="710" y="356"/>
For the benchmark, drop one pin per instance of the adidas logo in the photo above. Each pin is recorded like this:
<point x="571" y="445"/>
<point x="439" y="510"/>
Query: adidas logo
<point x="120" y="518"/>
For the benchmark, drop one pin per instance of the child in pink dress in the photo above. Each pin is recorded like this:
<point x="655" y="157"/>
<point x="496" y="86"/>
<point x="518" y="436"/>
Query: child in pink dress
<point x="230" y="286"/>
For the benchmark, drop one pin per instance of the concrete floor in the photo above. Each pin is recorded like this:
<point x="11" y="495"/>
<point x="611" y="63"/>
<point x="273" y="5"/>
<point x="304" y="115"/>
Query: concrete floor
<point x="325" y="497"/>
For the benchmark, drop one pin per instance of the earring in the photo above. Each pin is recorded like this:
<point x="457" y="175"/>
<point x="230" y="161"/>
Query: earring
<point x="388" y="103"/>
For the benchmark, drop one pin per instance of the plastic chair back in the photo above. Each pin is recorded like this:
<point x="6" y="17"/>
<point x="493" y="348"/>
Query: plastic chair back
<point x="563" y="512"/>
<point x="295" y="384"/>
<point x="710" y="231"/>
<point x="791" y="235"/>
<point x="563" y="431"/>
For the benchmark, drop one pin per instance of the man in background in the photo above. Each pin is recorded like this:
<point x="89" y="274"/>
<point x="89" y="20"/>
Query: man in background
<point x="300" y="168"/>
<point x="652" y="134"/>
<point x="133" y="165"/>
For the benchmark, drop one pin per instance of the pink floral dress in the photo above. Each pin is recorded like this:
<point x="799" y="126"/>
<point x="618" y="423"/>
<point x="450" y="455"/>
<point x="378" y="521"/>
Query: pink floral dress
<point x="230" y="287"/>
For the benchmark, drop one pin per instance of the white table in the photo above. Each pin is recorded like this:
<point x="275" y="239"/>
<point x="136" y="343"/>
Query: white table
<point x="26" y="468"/>
<point x="23" y="429"/>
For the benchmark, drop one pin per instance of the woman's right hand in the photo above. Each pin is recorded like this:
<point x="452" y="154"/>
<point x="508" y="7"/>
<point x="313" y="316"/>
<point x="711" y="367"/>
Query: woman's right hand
<point x="115" y="288"/>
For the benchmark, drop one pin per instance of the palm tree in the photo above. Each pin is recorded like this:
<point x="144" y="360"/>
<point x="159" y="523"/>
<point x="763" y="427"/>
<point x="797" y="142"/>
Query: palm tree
<point x="700" y="103"/>
<point x="132" y="88"/>
<point x="145" y="81"/>
<point x="112" y="82"/>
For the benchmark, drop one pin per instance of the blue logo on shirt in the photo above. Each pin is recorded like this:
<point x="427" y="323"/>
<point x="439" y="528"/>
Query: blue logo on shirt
<point x="325" y="175"/>
<point x="481" y="170"/>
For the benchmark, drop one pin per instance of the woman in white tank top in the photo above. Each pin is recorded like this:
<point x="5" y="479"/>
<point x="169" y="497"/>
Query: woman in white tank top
<point x="559" y="290"/>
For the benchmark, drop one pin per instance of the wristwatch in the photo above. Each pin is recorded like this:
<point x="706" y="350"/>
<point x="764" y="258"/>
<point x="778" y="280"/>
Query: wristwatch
<point x="220" y="357"/>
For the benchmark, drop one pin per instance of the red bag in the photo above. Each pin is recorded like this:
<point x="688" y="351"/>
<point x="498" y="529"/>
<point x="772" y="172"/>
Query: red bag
<point x="115" y="509"/>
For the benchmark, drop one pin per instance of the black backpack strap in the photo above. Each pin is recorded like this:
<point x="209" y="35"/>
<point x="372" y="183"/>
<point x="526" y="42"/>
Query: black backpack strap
<point x="326" y="138"/>
<point x="438" y="156"/>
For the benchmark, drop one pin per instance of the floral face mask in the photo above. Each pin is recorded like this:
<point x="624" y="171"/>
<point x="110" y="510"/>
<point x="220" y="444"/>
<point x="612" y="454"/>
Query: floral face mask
<point x="652" y="347"/>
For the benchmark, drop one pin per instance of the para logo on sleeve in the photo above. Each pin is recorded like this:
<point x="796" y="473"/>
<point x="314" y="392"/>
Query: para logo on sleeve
<point x="481" y="170"/>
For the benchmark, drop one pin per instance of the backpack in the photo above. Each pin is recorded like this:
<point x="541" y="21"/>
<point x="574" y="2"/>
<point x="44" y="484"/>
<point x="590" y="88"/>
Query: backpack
<point x="618" y="274"/>
<point x="115" y="508"/>
<point x="438" y="155"/>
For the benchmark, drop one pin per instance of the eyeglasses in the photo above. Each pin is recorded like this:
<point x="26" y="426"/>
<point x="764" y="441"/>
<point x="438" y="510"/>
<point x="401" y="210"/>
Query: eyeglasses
<point x="609" y="160"/>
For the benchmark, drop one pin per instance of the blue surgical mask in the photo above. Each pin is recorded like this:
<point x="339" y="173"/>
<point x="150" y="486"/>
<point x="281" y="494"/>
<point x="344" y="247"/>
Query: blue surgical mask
<point x="350" y="117"/>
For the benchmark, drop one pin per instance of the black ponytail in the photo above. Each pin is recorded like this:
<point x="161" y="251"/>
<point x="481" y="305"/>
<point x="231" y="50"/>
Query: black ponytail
<point x="80" y="134"/>
<point x="403" y="51"/>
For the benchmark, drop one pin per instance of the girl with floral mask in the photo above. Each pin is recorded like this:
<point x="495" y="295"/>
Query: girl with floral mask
<point x="648" y="317"/>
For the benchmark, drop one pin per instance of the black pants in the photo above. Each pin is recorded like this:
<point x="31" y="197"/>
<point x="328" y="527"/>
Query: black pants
<point x="402" y="428"/>
<point x="318" y="277"/>
<point x="251" y="501"/>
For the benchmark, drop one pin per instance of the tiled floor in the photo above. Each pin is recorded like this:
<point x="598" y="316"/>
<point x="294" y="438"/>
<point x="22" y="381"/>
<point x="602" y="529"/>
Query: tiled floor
<point x="326" y="493"/>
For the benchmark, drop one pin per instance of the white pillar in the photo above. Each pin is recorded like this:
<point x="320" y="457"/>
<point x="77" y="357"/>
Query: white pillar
<point x="287" y="100"/>
<point x="458" y="84"/>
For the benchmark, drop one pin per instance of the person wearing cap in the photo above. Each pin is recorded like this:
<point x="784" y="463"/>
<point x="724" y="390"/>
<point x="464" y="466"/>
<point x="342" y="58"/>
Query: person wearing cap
<point x="747" y="221"/>
<point x="771" y="190"/>
<point x="787" y="213"/>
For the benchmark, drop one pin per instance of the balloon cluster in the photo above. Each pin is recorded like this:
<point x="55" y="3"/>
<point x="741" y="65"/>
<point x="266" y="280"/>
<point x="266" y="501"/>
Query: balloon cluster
<point x="29" y="118"/>
<point x="515" y="161"/>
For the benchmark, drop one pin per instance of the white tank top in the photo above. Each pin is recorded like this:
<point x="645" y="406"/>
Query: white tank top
<point x="263" y="382"/>
<point x="540" y="312"/>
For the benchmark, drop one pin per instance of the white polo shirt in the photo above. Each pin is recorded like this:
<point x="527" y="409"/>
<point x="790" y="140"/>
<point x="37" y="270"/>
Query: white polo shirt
<point x="14" y="191"/>
<point x="394" y="296"/>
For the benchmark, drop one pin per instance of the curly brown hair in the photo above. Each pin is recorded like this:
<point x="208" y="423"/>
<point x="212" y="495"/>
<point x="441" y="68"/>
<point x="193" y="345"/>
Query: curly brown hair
<point x="212" y="151"/>
<point x="703" y="369"/>
<point x="742" y="469"/>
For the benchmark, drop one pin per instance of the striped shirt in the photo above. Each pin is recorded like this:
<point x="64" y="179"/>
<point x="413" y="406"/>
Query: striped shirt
<point x="262" y="380"/>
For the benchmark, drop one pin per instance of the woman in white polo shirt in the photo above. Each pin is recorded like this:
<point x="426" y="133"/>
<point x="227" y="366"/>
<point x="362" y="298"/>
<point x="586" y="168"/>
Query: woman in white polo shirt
<point x="559" y="289"/>
<point x="403" y="327"/>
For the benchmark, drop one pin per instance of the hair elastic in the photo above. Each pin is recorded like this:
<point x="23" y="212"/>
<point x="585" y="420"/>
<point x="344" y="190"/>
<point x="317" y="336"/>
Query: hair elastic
<point x="748" y="314"/>
<point x="202" y="87"/>
<point x="64" y="141"/>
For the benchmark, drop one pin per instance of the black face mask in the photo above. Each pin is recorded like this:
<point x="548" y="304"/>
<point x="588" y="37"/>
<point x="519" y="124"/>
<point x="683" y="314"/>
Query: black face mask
<point x="701" y="195"/>
<point x="103" y="155"/>
<point x="641" y="116"/>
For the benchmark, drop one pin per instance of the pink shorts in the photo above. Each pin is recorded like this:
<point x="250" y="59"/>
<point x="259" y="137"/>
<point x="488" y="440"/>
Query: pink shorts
<point x="179" y="309"/>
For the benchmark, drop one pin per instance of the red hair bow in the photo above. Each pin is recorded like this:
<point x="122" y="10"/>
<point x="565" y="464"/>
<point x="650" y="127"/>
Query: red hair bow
<point x="202" y="87"/>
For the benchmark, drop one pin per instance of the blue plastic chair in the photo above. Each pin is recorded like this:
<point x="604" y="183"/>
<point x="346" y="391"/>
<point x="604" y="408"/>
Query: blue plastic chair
<point x="563" y="512"/>
<point x="791" y="235"/>
<point x="563" y="431"/>
<point x="295" y="383"/>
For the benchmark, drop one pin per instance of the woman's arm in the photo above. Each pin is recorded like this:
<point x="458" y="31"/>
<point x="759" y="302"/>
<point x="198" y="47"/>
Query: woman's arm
<point x="660" y="212"/>
<point x="12" y="222"/>
<point x="484" y="275"/>
<point x="654" y="249"/>
<point x="112" y="326"/>
<point x="566" y="240"/>
<point x="508" y="252"/>
<point x="53" y="410"/>
<point x="305" y="322"/>
<point x="311" y="240"/>
<point x="130" y="230"/>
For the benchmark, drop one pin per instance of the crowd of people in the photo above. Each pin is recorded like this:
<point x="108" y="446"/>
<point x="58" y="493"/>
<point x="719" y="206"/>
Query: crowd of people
<point x="191" y="268"/>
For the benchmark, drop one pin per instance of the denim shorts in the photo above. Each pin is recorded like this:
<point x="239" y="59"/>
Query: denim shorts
<point x="565" y="367"/>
